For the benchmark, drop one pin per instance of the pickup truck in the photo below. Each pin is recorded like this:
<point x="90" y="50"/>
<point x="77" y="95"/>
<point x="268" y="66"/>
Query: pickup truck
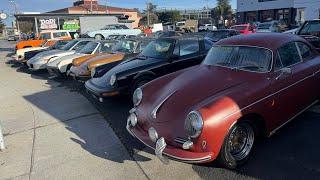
<point x="310" y="30"/>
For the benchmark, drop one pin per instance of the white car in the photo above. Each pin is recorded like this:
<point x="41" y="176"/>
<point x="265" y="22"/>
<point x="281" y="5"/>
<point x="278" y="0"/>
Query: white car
<point x="207" y="27"/>
<point x="113" y="29"/>
<point x="63" y="64"/>
<point x="19" y="56"/>
<point x="40" y="60"/>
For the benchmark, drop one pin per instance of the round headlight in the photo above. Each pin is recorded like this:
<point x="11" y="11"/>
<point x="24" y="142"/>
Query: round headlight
<point x="113" y="79"/>
<point x="153" y="135"/>
<point x="93" y="72"/>
<point x="137" y="96"/>
<point x="193" y="124"/>
<point x="132" y="119"/>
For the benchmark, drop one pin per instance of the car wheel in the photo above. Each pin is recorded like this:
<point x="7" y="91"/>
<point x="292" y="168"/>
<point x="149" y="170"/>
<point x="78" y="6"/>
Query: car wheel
<point x="238" y="145"/>
<point x="140" y="83"/>
<point x="98" y="37"/>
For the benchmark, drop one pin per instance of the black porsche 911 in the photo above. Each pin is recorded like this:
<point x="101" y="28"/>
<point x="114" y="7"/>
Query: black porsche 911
<point x="160" y="57"/>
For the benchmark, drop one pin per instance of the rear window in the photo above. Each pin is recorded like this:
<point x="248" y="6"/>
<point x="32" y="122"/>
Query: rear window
<point x="45" y="36"/>
<point x="60" y="34"/>
<point x="311" y="28"/>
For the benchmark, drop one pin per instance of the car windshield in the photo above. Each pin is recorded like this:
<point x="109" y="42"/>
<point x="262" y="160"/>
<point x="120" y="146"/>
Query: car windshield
<point x="254" y="59"/>
<point x="89" y="48"/>
<point x="60" y="44"/>
<point x="311" y="28"/>
<point x="126" y="46"/>
<point x="69" y="45"/>
<point x="107" y="46"/>
<point x="217" y="35"/>
<point x="158" y="49"/>
<point x="239" y="28"/>
<point x="264" y="26"/>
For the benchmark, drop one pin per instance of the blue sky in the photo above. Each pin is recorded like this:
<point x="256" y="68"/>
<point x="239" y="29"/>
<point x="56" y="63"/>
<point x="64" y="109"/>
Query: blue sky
<point x="47" y="5"/>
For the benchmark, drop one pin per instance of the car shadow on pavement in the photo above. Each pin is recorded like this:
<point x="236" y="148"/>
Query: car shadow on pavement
<point x="291" y="153"/>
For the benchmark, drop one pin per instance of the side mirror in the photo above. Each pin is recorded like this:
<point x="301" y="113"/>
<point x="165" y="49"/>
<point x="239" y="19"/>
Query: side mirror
<point x="284" y="71"/>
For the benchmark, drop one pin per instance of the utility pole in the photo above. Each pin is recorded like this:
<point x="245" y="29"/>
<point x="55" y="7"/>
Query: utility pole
<point x="148" y="12"/>
<point x="91" y="7"/>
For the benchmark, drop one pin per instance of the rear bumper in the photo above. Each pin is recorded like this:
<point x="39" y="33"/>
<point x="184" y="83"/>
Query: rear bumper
<point x="170" y="151"/>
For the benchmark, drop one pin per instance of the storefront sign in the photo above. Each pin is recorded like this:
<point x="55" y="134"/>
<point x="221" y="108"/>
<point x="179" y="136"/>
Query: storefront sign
<point x="72" y="25"/>
<point x="48" y="24"/>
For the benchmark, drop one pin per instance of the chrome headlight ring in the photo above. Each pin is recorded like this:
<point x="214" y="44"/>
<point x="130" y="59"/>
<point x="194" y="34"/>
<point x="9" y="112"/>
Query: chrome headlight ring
<point x="193" y="124"/>
<point x="132" y="120"/>
<point x="137" y="96"/>
<point x="113" y="80"/>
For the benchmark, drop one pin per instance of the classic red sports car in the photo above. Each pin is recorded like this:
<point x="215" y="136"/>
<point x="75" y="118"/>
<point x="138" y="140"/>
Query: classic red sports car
<point x="247" y="86"/>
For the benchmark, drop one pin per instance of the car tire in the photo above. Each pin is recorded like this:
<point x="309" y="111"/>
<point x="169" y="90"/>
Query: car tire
<point x="229" y="157"/>
<point x="139" y="83"/>
<point x="98" y="37"/>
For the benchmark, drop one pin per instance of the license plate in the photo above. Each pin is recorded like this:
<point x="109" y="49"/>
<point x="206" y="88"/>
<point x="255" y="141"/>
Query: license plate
<point x="160" y="146"/>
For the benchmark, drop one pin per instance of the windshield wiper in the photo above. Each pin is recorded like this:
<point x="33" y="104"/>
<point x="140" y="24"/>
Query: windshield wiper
<point x="248" y="67"/>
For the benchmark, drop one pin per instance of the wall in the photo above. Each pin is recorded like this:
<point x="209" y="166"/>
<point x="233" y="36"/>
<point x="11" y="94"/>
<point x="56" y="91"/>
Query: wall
<point x="254" y="5"/>
<point x="311" y="8"/>
<point x="94" y="23"/>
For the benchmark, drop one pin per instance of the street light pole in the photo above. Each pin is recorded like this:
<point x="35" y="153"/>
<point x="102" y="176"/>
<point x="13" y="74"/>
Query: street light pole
<point x="148" y="12"/>
<point x="91" y="7"/>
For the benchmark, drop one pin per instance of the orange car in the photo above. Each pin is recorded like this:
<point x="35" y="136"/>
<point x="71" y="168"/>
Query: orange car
<point x="44" y="35"/>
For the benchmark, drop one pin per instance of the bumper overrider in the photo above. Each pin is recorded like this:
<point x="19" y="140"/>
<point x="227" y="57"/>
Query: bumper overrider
<point x="164" y="151"/>
<point x="100" y="92"/>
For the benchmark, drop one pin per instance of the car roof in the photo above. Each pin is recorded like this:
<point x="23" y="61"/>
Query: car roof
<point x="271" y="41"/>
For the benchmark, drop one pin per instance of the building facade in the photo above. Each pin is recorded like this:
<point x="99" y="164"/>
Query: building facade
<point x="289" y="11"/>
<point x="93" y="7"/>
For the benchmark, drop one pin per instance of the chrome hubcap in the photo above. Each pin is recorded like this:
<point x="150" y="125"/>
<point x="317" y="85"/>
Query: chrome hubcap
<point x="240" y="141"/>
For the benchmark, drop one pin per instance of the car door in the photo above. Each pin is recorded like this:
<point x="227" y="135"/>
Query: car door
<point x="187" y="53"/>
<point x="290" y="84"/>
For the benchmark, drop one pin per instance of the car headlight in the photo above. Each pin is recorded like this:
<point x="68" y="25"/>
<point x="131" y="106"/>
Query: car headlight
<point x="193" y="124"/>
<point x="113" y="79"/>
<point x="93" y="72"/>
<point x="137" y="96"/>
<point x="132" y="119"/>
<point x="153" y="135"/>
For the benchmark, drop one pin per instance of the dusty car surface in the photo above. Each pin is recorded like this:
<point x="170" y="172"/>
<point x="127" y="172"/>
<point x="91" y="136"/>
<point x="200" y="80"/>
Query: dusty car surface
<point x="247" y="86"/>
<point x="124" y="49"/>
<point x="63" y="64"/>
<point x="160" y="57"/>
<point x="40" y="60"/>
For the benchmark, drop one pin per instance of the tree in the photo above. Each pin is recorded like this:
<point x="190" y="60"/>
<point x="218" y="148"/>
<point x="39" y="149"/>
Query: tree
<point x="169" y="16"/>
<point x="2" y="25"/>
<point x="149" y="11"/>
<point x="223" y="10"/>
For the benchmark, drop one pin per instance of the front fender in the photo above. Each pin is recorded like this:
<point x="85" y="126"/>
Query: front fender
<point x="63" y="65"/>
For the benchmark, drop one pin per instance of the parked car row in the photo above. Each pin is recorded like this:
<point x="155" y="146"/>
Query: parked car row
<point x="196" y="97"/>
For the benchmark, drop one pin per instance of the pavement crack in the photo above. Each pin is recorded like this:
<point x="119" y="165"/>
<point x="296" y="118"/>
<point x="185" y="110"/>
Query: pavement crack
<point x="33" y="142"/>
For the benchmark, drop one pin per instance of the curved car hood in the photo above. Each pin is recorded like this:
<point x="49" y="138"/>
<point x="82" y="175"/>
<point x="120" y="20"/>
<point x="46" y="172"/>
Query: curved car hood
<point x="69" y="57"/>
<point x="97" y="58"/>
<point x="191" y="90"/>
<point x="31" y="49"/>
<point x="126" y="68"/>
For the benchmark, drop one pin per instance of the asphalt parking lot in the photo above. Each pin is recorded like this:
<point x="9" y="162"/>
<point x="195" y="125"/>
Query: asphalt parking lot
<point x="292" y="153"/>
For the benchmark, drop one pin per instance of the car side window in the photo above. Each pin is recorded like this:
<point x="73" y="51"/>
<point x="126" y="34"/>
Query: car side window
<point x="207" y="45"/>
<point x="45" y="36"/>
<point x="289" y="54"/>
<point x="305" y="50"/>
<point x="60" y="34"/>
<point x="188" y="47"/>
